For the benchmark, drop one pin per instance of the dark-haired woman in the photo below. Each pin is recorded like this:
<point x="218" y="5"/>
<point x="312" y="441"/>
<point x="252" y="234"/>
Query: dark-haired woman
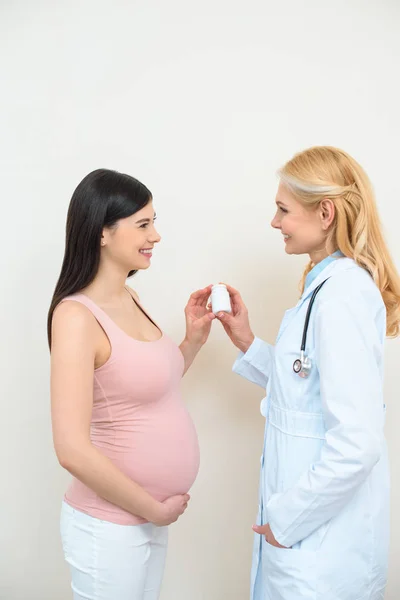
<point x="119" y="423"/>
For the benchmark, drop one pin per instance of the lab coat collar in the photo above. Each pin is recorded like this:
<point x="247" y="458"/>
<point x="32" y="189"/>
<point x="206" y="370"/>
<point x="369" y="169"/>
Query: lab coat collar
<point x="338" y="265"/>
<point x="341" y="264"/>
<point x="319" y="267"/>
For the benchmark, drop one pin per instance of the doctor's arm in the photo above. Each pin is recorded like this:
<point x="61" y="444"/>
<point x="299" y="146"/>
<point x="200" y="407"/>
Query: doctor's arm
<point x="351" y="394"/>
<point x="255" y="359"/>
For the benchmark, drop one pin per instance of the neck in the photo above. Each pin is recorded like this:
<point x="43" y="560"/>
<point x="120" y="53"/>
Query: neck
<point x="107" y="288"/>
<point x="316" y="256"/>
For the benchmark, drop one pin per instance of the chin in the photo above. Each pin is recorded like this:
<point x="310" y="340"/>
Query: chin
<point x="141" y="265"/>
<point x="293" y="251"/>
<point x="144" y="266"/>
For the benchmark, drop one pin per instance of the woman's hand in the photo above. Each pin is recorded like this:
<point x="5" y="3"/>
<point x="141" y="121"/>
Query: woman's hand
<point x="170" y="510"/>
<point x="198" y="317"/>
<point x="198" y="325"/>
<point x="237" y="324"/>
<point x="265" y="530"/>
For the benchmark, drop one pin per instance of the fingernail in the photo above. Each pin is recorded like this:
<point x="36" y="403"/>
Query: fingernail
<point x="220" y="315"/>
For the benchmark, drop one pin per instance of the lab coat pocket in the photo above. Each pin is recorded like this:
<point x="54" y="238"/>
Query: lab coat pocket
<point x="291" y="574"/>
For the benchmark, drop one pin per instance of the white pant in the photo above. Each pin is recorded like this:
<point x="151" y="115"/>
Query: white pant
<point x="112" y="562"/>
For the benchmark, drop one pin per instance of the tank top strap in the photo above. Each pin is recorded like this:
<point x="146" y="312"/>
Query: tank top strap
<point x="107" y="324"/>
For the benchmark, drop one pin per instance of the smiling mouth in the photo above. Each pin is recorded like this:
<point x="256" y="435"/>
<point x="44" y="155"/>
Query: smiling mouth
<point x="146" y="252"/>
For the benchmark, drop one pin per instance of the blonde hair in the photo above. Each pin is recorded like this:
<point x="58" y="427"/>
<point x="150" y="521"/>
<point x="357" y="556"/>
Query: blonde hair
<point x="324" y="172"/>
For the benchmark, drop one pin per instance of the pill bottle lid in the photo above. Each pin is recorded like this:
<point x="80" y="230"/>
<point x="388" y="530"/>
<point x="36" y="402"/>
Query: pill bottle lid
<point x="218" y="285"/>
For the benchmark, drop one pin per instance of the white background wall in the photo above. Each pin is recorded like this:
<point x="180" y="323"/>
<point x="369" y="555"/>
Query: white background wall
<point x="203" y="102"/>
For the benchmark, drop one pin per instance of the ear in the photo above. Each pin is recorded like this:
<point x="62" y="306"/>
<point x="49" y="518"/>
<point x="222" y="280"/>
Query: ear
<point x="104" y="237"/>
<point x="327" y="213"/>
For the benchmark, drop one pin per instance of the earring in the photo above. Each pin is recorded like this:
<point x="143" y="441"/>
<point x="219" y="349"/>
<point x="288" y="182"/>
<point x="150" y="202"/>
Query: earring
<point x="103" y="243"/>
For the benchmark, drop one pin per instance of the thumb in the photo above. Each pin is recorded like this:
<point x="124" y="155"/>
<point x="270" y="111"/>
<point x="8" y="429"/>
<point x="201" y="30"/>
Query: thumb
<point x="206" y="319"/>
<point x="225" y="317"/>
<point x="261" y="529"/>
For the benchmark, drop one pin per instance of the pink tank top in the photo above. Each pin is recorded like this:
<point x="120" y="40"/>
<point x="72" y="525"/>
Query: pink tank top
<point x="139" y="420"/>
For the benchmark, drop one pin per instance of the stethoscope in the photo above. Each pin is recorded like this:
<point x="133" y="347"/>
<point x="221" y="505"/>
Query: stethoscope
<point x="302" y="366"/>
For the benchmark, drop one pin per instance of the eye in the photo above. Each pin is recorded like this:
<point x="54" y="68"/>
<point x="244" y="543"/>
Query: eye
<point x="145" y="225"/>
<point x="284" y="210"/>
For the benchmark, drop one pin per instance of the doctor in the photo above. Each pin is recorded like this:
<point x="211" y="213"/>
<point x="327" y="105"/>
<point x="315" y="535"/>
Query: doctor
<point x="322" y="530"/>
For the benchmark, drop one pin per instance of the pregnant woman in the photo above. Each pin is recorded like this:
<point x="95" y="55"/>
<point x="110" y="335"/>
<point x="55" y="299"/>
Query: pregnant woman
<point x="120" y="426"/>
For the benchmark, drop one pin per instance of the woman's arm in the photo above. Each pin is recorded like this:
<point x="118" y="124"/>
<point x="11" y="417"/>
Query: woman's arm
<point x="256" y="357"/>
<point x="72" y="363"/>
<point x="189" y="351"/>
<point x="255" y="364"/>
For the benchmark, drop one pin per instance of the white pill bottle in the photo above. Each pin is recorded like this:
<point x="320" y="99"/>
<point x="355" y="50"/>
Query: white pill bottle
<point x="220" y="299"/>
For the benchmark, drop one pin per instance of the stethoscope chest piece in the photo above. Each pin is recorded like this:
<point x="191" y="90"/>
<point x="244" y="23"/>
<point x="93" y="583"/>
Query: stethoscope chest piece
<point x="302" y="365"/>
<point x="297" y="366"/>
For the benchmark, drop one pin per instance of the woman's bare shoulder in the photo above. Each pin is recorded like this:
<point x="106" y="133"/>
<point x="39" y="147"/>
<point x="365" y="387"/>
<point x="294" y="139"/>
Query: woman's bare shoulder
<point x="73" y="317"/>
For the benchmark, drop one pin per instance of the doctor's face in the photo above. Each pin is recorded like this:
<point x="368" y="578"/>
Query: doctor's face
<point x="301" y="227"/>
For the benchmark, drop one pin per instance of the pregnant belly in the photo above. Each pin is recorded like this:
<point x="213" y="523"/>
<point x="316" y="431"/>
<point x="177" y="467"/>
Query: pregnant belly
<point x="159" y="450"/>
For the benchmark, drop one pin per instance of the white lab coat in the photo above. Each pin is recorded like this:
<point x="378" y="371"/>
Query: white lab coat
<point x="324" y="482"/>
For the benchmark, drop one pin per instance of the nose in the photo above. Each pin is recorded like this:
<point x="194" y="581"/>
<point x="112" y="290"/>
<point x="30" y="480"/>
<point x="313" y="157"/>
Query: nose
<point x="275" y="223"/>
<point x="154" y="236"/>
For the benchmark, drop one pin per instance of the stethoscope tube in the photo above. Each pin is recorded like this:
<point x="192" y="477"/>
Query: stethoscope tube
<point x="302" y="365"/>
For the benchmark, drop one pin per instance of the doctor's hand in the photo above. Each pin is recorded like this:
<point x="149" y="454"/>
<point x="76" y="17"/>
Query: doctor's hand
<point x="237" y="324"/>
<point x="265" y="530"/>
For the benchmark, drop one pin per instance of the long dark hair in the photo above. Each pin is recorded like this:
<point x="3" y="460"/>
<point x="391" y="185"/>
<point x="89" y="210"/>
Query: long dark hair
<point x="100" y="200"/>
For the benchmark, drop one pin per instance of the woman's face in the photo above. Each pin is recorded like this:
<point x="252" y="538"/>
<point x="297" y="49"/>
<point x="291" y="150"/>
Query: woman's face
<point x="304" y="229"/>
<point x="130" y="243"/>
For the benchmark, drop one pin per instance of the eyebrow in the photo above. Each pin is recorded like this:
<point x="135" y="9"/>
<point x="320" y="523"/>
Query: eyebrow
<point x="280" y="203"/>
<point x="146" y="220"/>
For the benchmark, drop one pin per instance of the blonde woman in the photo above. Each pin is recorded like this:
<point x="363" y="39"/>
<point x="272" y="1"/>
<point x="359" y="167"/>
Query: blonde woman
<point x="323" y="520"/>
